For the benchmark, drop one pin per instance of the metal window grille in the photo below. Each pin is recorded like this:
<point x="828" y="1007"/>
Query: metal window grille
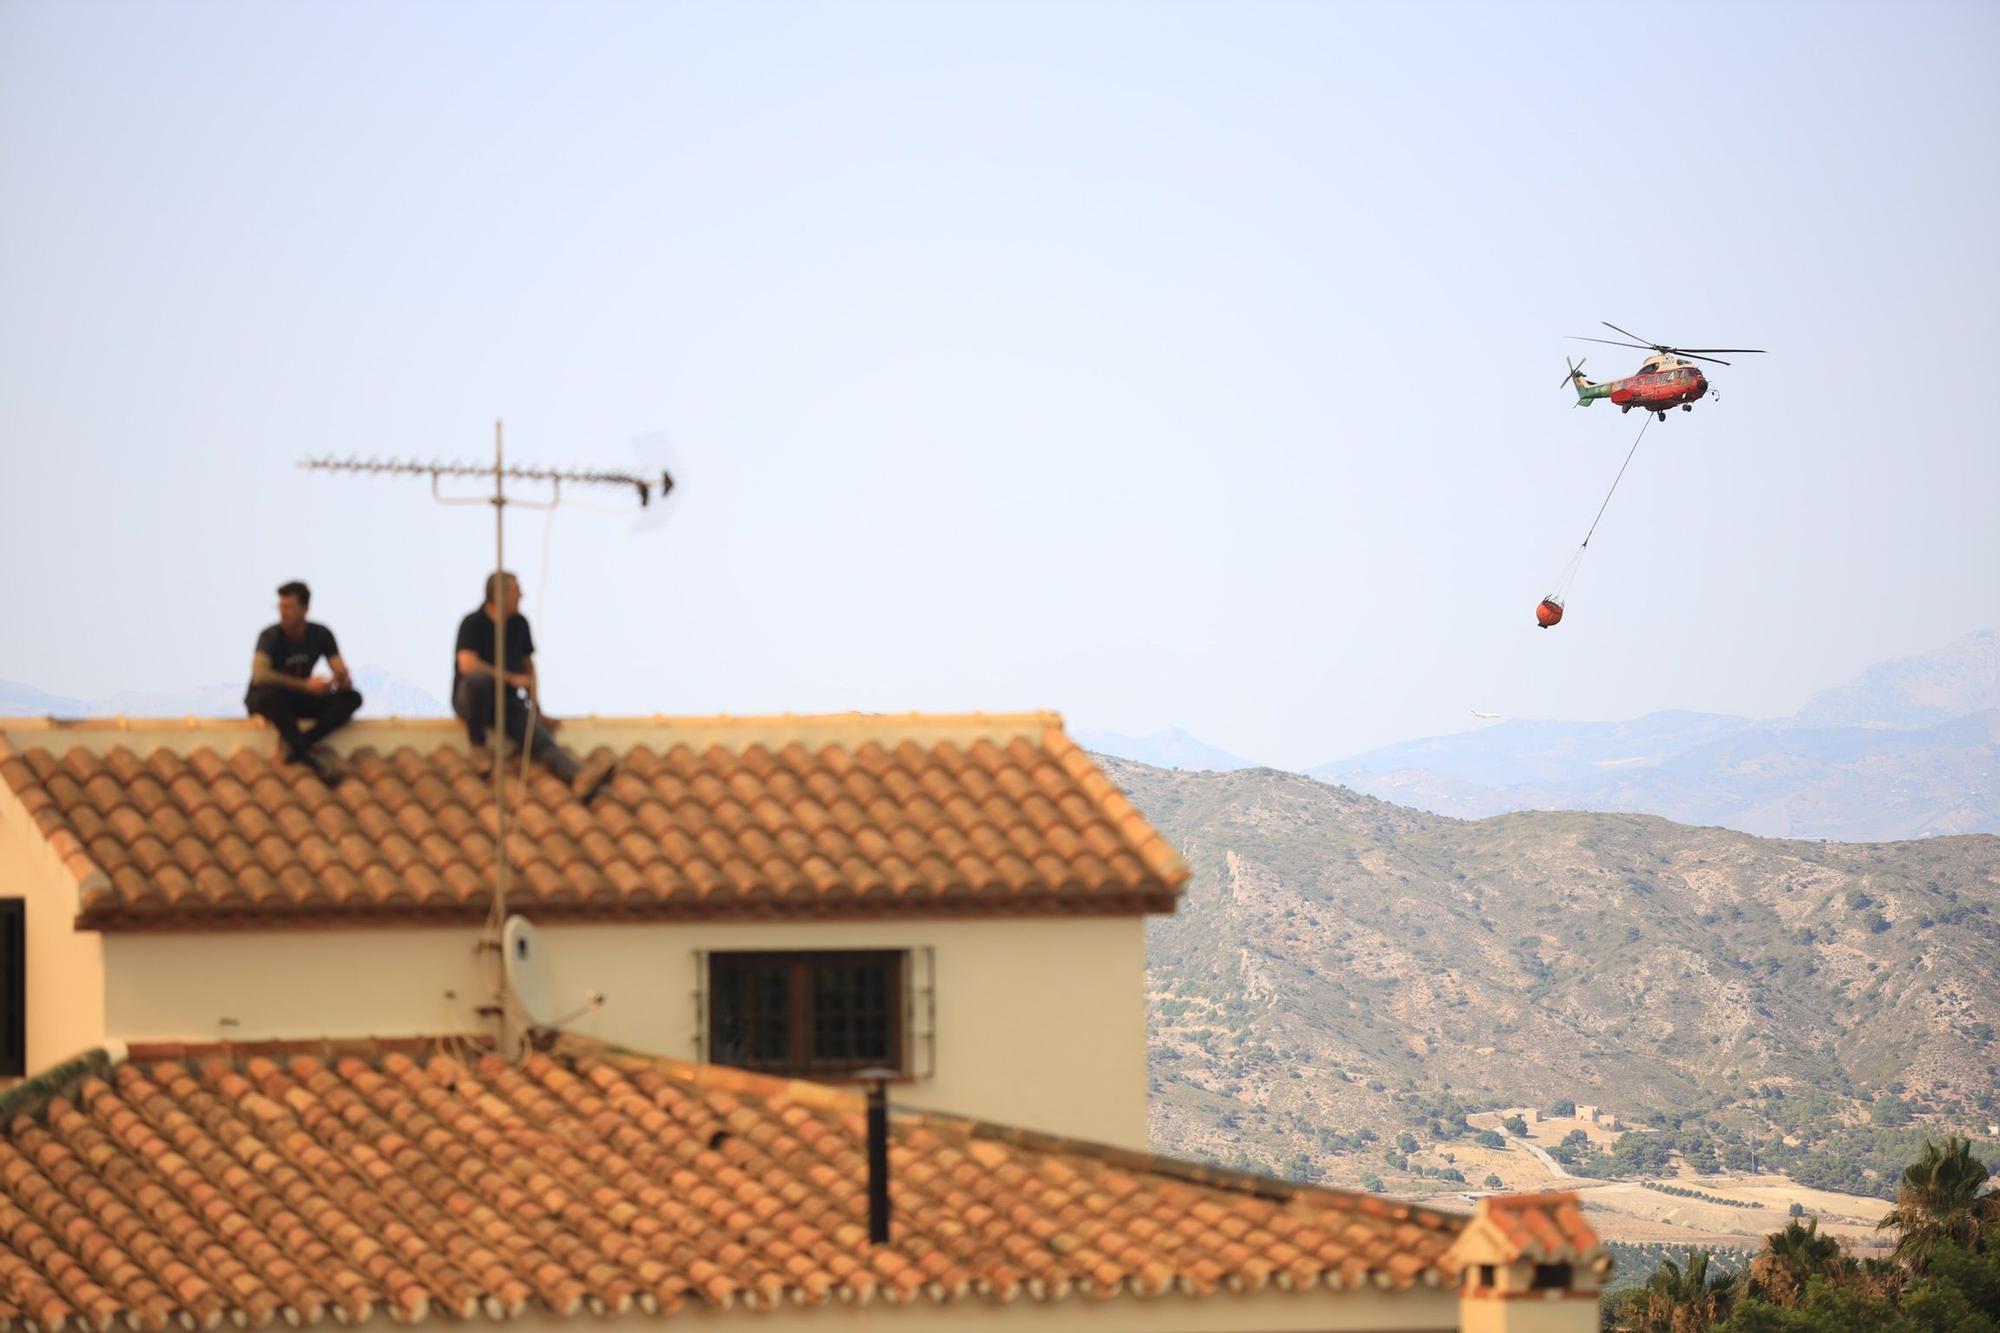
<point x="817" y="1013"/>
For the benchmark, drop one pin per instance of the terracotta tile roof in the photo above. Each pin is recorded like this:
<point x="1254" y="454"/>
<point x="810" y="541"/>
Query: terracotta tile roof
<point x="843" y="815"/>
<point x="1544" y="1227"/>
<point x="302" y="1182"/>
<point x="1540" y="1228"/>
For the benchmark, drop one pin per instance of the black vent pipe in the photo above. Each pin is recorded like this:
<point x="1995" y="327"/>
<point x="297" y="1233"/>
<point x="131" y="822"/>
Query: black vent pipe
<point x="878" y="1153"/>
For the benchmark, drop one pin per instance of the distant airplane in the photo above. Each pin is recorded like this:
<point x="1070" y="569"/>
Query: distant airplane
<point x="1490" y="717"/>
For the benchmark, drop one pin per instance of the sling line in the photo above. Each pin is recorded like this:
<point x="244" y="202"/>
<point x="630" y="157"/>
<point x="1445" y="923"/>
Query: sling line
<point x="1615" y="480"/>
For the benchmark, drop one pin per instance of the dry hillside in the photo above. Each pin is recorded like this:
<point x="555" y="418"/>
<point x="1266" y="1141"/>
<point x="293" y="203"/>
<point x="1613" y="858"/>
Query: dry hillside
<point x="1343" y="965"/>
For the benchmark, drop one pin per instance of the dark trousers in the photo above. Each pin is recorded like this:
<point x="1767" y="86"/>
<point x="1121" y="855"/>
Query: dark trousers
<point x="328" y="712"/>
<point x="472" y="700"/>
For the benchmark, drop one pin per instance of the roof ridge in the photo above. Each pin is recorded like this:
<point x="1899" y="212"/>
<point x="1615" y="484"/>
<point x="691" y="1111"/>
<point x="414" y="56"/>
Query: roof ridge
<point x="31" y="1096"/>
<point x="123" y="722"/>
<point x="149" y="1052"/>
<point x="1274" y="1188"/>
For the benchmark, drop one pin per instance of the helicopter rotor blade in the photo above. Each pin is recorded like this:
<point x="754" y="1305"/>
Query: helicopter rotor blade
<point x="1692" y="357"/>
<point x="1629" y="334"/>
<point x="1690" y="351"/>
<point x="1644" y="347"/>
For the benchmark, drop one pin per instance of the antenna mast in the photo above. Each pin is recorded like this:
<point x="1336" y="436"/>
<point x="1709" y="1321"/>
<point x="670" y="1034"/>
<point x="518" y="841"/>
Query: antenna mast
<point x="501" y="475"/>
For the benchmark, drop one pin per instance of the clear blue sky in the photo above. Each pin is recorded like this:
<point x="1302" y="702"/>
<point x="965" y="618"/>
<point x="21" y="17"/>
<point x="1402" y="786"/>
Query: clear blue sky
<point x="1159" y="363"/>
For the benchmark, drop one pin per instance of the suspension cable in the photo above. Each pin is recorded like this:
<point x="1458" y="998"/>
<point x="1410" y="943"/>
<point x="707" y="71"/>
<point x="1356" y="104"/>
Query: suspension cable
<point x="1615" y="480"/>
<point x="1576" y="561"/>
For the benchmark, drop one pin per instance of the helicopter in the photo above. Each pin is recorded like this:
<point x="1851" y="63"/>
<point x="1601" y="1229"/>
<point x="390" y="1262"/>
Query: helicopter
<point x="1667" y="378"/>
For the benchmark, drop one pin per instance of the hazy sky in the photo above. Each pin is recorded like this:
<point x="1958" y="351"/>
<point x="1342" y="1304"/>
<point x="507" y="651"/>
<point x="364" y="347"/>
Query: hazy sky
<point x="1164" y="363"/>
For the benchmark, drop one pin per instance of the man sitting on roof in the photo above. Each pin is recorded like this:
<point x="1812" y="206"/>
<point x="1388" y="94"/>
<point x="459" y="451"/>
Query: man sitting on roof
<point x="284" y="689"/>
<point x="472" y="691"/>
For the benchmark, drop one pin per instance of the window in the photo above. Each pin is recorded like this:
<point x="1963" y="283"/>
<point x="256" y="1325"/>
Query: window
<point x="814" y="1015"/>
<point x="1551" y="1277"/>
<point x="13" y="987"/>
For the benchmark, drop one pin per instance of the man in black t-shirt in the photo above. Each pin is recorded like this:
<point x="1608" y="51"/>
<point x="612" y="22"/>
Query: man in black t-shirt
<point x="472" y="688"/>
<point x="284" y="689"/>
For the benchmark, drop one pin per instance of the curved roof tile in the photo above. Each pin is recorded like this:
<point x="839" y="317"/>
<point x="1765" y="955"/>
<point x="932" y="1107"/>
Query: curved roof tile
<point x="305" y="1181"/>
<point x="705" y="817"/>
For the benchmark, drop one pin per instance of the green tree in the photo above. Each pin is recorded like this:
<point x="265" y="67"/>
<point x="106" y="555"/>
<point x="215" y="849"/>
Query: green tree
<point x="1941" y="1200"/>
<point x="1889" y="1111"/>
<point x="1513" y="1124"/>
<point x="1562" y="1108"/>
<point x="1801" y="1283"/>
<point x="1792" y="1258"/>
<point x="1961" y="1294"/>
<point x="1681" y="1300"/>
<point x="1826" y="1309"/>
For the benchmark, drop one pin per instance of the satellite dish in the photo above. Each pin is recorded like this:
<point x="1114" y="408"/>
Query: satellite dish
<point x="523" y="966"/>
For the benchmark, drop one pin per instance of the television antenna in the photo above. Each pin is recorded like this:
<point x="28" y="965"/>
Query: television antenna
<point x="500" y="473"/>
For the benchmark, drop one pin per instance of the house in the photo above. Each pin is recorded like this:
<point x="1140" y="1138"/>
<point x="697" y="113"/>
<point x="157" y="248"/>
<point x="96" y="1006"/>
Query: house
<point x="966" y="894"/>
<point x="275" y="1068"/>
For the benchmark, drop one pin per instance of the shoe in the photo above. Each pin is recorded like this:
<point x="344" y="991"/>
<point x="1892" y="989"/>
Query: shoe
<point x="480" y="760"/>
<point x="590" y="779"/>
<point x="331" y="768"/>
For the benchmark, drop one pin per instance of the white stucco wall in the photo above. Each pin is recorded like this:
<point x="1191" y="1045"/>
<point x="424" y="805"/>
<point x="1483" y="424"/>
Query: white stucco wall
<point x="1422" y="1310"/>
<point x="1040" y="1022"/>
<point x="65" y="982"/>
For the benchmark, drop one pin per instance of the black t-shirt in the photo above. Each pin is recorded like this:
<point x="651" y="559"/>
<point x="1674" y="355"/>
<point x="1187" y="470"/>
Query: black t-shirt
<point x="297" y="657"/>
<point x="476" y="632"/>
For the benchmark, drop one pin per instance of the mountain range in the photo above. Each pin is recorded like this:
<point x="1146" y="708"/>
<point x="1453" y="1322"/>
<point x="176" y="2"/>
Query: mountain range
<point x="1338" y="960"/>
<point x="1170" y="747"/>
<point x="1909" y="748"/>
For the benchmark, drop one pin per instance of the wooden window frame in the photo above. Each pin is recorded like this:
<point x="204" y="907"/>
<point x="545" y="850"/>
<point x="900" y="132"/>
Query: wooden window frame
<point x="14" y="988"/>
<point x="799" y="1061"/>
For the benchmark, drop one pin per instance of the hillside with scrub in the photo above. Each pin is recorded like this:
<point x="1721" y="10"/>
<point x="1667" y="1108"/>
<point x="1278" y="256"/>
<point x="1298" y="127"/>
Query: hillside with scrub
<point x="1349" y="980"/>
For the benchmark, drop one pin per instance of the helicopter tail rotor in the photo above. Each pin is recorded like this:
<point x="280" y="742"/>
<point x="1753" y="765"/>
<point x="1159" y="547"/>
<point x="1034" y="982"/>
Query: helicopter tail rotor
<point x="1575" y="371"/>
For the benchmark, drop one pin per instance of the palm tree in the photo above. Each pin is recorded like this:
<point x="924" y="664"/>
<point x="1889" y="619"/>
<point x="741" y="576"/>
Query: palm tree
<point x="1792" y="1258"/>
<point x="1678" y="1300"/>
<point x="1941" y="1201"/>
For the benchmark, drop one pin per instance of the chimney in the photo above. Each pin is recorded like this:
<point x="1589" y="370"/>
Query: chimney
<point x="878" y="1153"/>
